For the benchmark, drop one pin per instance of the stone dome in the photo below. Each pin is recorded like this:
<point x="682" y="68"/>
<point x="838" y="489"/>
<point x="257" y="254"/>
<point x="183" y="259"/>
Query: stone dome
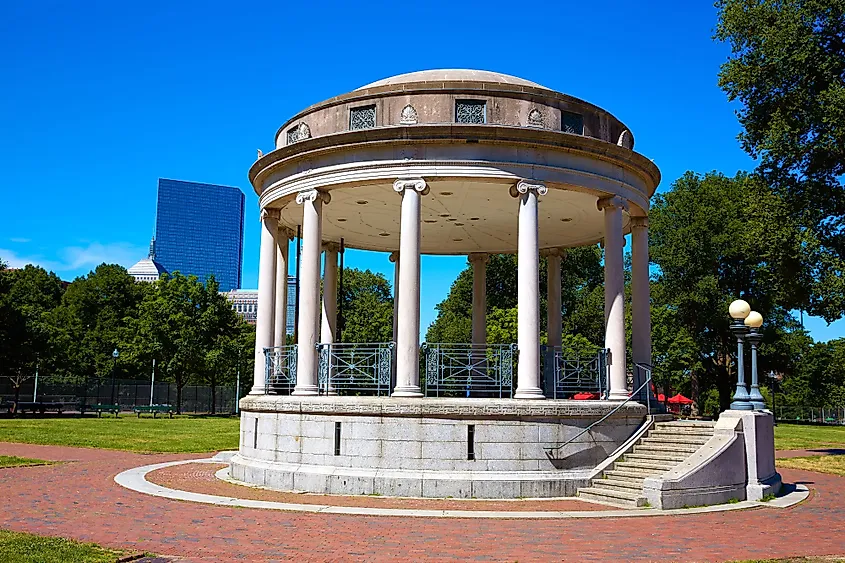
<point x="452" y="75"/>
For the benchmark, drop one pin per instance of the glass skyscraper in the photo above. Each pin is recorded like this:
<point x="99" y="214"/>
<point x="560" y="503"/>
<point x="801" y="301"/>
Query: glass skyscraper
<point x="200" y="230"/>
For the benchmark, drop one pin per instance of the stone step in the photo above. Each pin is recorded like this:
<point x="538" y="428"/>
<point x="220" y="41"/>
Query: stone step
<point x="670" y="456"/>
<point x="645" y="465"/>
<point x="665" y="432"/>
<point x="637" y="471"/>
<point x="617" y="484"/>
<point x="662" y="447"/>
<point x="686" y="424"/>
<point x="612" y="496"/>
<point x="675" y="440"/>
<point x="628" y="477"/>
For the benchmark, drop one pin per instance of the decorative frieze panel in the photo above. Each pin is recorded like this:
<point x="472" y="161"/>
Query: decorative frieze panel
<point x="362" y="118"/>
<point x="571" y="123"/>
<point x="470" y="111"/>
<point x="409" y="115"/>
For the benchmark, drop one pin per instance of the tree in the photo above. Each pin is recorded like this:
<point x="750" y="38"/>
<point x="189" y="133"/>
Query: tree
<point x="786" y="69"/>
<point x="716" y="239"/>
<point x="27" y="296"/>
<point x="367" y="306"/>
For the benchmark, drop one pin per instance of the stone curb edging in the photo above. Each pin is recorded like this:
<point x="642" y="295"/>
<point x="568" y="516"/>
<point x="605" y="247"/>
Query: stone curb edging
<point x="135" y="480"/>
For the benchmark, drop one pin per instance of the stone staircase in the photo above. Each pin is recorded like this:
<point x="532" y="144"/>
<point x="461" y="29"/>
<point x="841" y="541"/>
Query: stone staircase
<point x="666" y="445"/>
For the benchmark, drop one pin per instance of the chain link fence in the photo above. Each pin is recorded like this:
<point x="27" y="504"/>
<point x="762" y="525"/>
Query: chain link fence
<point x="126" y="393"/>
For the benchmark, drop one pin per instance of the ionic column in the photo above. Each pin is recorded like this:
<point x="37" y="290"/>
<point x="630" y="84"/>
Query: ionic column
<point x="280" y="315"/>
<point x="408" y="322"/>
<point x="329" y="325"/>
<point x="308" y="328"/>
<point x="394" y="257"/>
<point x="614" y="297"/>
<point x="528" y="289"/>
<point x="640" y="300"/>
<point x="479" y="297"/>
<point x="266" y="291"/>
<point x="554" y="316"/>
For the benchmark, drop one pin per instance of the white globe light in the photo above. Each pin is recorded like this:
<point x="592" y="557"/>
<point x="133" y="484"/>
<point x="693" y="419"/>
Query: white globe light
<point x="739" y="309"/>
<point x="754" y="319"/>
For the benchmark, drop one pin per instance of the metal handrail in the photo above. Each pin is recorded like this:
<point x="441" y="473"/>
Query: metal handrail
<point x="647" y="368"/>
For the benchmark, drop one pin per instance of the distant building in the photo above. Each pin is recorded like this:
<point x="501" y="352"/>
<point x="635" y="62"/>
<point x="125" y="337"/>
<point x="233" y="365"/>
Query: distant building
<point x="245" y="303"/>
<point x="148" y="269"/>
<point x="200" y="229"/>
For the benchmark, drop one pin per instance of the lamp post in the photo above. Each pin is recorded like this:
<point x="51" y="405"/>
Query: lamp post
<point x="754" y="321"/>
<point x="739" y="310"/>
<point x="114" y="356"/>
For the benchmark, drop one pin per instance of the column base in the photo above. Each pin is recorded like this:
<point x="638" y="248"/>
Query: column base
<point x="529" y="393"/>
<point x="618" y="396"/>
<point x="409" y="391"/>
<point x="742" y="406"/>
<point x="258" y="390"/>
<point x="305" y="390"/>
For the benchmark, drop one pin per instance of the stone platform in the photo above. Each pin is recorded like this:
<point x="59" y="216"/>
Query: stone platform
<point x="437" y="448"/>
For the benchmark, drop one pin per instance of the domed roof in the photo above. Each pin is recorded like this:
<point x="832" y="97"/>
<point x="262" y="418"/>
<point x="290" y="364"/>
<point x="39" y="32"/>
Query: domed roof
<point x="147" y="268"/>
<point x="453" y="74"/>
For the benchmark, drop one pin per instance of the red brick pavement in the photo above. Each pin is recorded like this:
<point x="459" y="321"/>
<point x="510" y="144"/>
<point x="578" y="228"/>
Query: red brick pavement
<point x="80" y="499"/>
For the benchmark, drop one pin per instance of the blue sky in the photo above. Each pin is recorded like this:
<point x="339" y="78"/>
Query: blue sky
<point x="100" y="99"/>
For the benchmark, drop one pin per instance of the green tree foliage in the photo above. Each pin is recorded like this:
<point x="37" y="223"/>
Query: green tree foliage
<point x="27" y="296"/>
<point x="367" y="307"/>
<point x="786" y="69"/>
<point x="716" y="239"/>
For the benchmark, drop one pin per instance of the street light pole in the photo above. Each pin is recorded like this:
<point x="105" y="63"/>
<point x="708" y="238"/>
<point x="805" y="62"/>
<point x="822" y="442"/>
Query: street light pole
<point x="753" y="321"/>
<point x="114" y="356"/>
<point x="35" y="388"/>
<point x="739" y="310"/>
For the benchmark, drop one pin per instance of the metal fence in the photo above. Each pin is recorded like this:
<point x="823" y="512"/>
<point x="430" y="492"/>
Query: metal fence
<point x="127" y="394"/>
<point x="815" y="415"/>
<point x="360" y="368"/>
<point x="469" y="370"/>
<point x="280" y="369"/>
<point x="565" y="376"/>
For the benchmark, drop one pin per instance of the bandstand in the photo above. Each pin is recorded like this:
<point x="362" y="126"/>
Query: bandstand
<point x="444" y="162"/>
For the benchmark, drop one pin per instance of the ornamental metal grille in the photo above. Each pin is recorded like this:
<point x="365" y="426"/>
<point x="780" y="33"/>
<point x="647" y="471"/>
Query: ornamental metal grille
<point x="568" y="375"/>
<point x="470" y="111"/>
<point x="355" y="368"/>
<point x="571" y="123"/>
<point x="293" y="134"/>
<point x="469" y="370"/>
<point x="362" y="118"/>
<point x="280" y="369"/>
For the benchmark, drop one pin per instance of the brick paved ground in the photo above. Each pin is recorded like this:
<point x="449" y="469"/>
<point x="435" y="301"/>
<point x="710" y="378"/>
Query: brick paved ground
<point x="79" y="499"/>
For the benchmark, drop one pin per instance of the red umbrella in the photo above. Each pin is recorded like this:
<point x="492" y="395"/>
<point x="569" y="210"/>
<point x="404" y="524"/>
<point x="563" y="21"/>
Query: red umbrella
<point x="680" y="400"/>
<point x="585" y="396"/>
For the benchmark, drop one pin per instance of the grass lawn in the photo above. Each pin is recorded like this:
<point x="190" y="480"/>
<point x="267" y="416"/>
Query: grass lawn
<point x="181" y="434"/>
<point x="26" y="548"/>
<point x="14" y="461"/>
<point x="834" y="464"/>
<point x="805" y="437"/>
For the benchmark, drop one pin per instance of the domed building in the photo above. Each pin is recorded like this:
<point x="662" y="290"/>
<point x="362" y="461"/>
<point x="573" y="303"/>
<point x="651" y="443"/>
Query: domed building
<point x="445" y="162"/>
<point x="147" y="269"/>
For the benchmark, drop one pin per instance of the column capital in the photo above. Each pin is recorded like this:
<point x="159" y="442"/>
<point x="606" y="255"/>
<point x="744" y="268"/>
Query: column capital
<point x="270" y="213"/>
<point x="394" y="256"/>
<point x="417" y="184"/>
<point x="639" y="222"/>
<point x="312" y="195"/>
<point x="286" y="233"/>
<point x="525" y="186"/>
<point x="546" y="252"/>
<point x="612" y="202"/>
<point x="478" y="257"/>
<point x="331" y="246"/>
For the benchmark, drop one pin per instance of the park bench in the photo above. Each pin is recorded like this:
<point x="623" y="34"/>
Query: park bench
<point x="100" y="409"/>
<point x="40" y="406"/>
<point x="154" y="410"/>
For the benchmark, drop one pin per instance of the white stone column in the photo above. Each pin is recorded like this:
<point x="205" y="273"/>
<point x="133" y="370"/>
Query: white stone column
<point x="394" y="257"/>
<point x="614" y="297"/>
<point x="479" y="297"/>
<point x="640" y="299"/>
<point x="280" y="315"/>
<point x="528" y="290"/>
<point x="328" y="327"/>
<point x="554" y="319"/>
<point x="266" y="291"/>
<point x="309" y="291"/>
<point x="408" y="322"/>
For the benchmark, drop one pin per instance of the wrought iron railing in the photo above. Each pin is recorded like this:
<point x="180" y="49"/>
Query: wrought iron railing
<point x="568" y="375"/>
<point x="280" y="369"/>
<point x="469" y="370"/>
<point x="355" y="368"/>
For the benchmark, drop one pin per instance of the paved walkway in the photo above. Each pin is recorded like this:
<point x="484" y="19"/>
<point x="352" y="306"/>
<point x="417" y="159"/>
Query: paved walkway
<point x="80" y="499"/>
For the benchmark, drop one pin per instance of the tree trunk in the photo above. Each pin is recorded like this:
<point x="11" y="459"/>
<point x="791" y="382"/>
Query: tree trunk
<point x="213" y="398"/>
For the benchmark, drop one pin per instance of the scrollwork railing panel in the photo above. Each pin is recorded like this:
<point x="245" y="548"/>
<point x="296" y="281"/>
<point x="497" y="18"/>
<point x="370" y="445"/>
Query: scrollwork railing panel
<point x="469" y="370"/>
